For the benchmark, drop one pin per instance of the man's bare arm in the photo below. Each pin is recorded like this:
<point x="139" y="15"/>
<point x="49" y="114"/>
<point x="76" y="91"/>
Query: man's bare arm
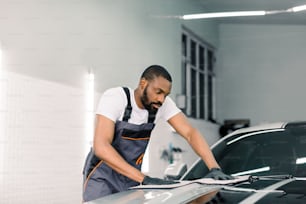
<point x="104" y="135"/>
<point x="182" y="126"/>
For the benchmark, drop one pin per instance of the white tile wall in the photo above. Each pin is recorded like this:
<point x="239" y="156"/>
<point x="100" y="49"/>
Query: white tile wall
<point x="42" y="137"/>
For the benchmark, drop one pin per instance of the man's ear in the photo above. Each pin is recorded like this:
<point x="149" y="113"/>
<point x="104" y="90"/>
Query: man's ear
<point x="143" y="83"/>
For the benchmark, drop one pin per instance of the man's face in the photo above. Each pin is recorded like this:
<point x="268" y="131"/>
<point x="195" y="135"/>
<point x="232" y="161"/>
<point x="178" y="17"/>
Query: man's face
<point x="155" y="92"/>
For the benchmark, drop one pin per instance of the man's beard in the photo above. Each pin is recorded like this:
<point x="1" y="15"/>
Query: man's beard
<point x="145" y="102"/>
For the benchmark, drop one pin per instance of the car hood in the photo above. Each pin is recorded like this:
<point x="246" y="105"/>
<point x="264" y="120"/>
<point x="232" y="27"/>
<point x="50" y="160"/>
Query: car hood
<point x="265" y="190"/>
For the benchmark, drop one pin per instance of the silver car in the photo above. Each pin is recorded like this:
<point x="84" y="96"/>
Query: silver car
<point x="273" y="156"/>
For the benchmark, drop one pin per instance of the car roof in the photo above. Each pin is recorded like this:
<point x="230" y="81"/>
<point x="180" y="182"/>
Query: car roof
<point x="260" y="127"/>
<point x="269" y="126"/>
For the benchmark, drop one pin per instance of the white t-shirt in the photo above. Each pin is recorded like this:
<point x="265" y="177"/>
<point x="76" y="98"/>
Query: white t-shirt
<point x="113" y="102"/>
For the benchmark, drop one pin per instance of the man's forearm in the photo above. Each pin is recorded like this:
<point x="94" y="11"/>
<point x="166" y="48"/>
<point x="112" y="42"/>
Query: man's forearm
<point x="111" y="157"/>
<point x="200" y="146"/>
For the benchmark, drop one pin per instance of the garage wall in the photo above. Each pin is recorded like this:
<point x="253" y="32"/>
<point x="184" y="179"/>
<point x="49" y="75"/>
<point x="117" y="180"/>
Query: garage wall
<point x="261" y="71"/>
<point x="42" y="141"/>
<point x="47" y="50"/>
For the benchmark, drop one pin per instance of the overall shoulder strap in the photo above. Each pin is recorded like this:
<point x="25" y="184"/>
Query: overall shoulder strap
<point x="128" y="108"/>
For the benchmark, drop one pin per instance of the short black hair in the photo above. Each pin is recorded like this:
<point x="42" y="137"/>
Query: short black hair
<point x="155" y="71"/>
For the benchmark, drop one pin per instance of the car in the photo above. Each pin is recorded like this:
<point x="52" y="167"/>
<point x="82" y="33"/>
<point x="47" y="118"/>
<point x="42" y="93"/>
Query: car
<point x="272" y="156"/>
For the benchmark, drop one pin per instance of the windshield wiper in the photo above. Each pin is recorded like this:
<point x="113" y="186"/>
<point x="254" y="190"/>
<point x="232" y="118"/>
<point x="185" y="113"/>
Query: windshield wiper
<point x="234" y="188"/>
<point x="272" y="177"/>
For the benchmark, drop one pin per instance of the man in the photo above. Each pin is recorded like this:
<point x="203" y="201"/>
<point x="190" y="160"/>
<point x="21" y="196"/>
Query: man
<point x="125" y="119"/>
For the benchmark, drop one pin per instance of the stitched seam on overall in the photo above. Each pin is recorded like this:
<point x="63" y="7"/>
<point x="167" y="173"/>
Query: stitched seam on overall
<point x="139" y="160"/>
<point x="130" y="138"/>
<point x="89" y="175"/>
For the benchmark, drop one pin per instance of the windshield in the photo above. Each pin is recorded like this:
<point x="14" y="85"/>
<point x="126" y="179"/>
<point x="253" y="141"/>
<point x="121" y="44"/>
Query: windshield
<point x="268" y="153"/>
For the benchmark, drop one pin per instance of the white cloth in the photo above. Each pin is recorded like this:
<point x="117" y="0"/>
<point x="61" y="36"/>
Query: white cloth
<point x="113" y="102"/>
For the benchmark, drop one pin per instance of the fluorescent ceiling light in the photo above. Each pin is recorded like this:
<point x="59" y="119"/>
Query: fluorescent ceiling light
<point x="89" y="123"/>
<point x="223" y="14"/>
<point x="298" y="8"/>
<point x="241" y="13"/>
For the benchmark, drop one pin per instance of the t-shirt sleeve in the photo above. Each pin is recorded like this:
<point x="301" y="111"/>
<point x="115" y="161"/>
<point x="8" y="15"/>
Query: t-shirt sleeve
<point x="168" y="109"/>
<point x="112" y="103"/>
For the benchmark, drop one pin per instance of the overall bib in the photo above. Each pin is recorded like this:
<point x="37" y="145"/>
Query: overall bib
<point x="130" y="140"/>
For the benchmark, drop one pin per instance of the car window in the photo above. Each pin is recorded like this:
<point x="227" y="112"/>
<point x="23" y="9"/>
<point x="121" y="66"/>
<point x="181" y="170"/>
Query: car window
<point x="272" y="153"/>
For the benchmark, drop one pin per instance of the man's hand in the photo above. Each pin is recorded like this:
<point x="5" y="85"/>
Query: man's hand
<point x="217" y="174"/>
<point x="156" y="181"/>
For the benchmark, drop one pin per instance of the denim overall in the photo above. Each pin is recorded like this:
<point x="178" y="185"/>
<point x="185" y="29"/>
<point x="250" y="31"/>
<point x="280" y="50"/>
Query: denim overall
<point x="130" y="140"/>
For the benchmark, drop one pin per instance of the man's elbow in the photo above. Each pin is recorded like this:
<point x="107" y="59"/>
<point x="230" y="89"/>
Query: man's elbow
<point x="101" y="149"/>
<point x="190" y="134"/>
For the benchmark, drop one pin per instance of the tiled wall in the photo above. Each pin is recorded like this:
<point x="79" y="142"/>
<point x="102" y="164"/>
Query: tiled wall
<point x="42" y="141"/>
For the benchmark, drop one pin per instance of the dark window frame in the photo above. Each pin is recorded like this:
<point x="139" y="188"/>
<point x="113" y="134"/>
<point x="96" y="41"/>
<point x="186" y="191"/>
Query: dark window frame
<point x="198" y="76"/>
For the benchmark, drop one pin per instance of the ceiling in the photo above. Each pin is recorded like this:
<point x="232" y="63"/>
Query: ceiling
<point x="298" y="18"/>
